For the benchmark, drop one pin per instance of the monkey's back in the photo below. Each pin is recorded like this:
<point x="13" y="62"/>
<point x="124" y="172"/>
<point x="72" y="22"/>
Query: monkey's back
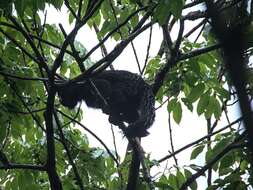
<point x="132" y="83"/>
<point x="139" y="92"/>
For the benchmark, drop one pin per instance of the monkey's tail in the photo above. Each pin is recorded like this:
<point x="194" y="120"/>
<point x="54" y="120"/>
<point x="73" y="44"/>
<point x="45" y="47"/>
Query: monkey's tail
<point x="146" y="115"/>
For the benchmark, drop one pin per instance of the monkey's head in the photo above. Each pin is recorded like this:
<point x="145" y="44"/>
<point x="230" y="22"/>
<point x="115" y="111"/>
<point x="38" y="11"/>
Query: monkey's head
<point x="70" y="95"/>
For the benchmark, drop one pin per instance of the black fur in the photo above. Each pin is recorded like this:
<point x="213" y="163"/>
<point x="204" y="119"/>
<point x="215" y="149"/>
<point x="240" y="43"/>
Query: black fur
<point x="129" y="97"/>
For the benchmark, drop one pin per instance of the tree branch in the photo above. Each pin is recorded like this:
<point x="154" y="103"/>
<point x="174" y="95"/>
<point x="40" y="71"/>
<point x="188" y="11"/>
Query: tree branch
<point x="199" y="140"/>
<point x="199" y="51"/>
<point x="230" y="147"/>
<point x="14" y="166"/>
<point x="93" y="134"/>
<point x="63" y="141"/>
<point x="102" y="41"/>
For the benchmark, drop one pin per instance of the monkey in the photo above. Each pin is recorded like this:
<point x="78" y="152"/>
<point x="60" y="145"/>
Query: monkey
<point x="130" y="99"/>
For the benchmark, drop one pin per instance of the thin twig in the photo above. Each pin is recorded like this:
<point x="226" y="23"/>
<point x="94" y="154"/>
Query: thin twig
<point x="110" y="33"/>
<point x="199" y="140"/>
<point x="50" y="43"/>
<point x="171" y="140"/>
<point x="198" y="52"/>
<point x="40" y="58"/>
<point x="209" y="171"/>
<point x="66" y="2"/>
<point x="148" y="49"/>
<point x="93" y="134"/>
<point x="195" y="28"/>
<point x="107" y="60"/>
<point x="200" y="172"/>
<point x="20" y="46"/>
<point x="15" y="166"/>
<point x="23" y="77"/>
<point x="79" y="8"/>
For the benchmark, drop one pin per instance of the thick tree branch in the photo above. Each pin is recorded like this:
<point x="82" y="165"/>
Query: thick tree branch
<point x="71" y="36"/>
<point x="171" y="60"/>
<point x="103" y="63"/>
<point x="232" y="38"/>
<point x="55" y="182"/>
<point x="63" y="141"/>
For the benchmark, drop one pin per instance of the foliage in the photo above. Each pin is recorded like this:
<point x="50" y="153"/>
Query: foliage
<point x="186" y="74"/>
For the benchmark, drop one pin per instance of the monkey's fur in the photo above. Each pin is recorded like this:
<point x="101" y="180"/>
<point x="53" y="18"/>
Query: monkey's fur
<point x="130" y="99"/>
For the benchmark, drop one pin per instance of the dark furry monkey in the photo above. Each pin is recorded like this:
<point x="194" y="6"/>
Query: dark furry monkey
<point x="130" y="99"/>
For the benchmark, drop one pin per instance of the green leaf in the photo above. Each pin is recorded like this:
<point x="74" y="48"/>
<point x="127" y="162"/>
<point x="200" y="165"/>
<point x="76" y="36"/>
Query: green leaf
<point x="219" y="146"/>
<point x="194" y="65"/>
<point x="20" y="7"/>
<point x="227" y="161"/>
<point x="153" y="66"/>
<point x="223" y="93"/>
<point x="210" y="108"/>
<point x="165" y="7"/>
<point x="217" y="108"/>
<point x="180" y="177"/>
<point x="176" y="7"/>
<point x="188" y="174"/>
<point x="39" y="4"/>
<point x="5" y="4"/>
<point x="203" y="103"/>
<point x="188" y="104"/>
<point x="197" y="151"/>
<point x="71" y="18"/>
<point x="173" y="181"/>
<point x="163" y="183"/>
<point x="244" y="165"/>
<point x="177" y="113"/>
<point x="171" y="105"/>
<point x="191" y="79"/>
<point x="63" y="68"/>
<point x="162" y="11"/>
<point x="196" y="92"/>
<point x="56" y="3"/>
<point x="159" y="95"/>
<point x="213" y="108"/>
